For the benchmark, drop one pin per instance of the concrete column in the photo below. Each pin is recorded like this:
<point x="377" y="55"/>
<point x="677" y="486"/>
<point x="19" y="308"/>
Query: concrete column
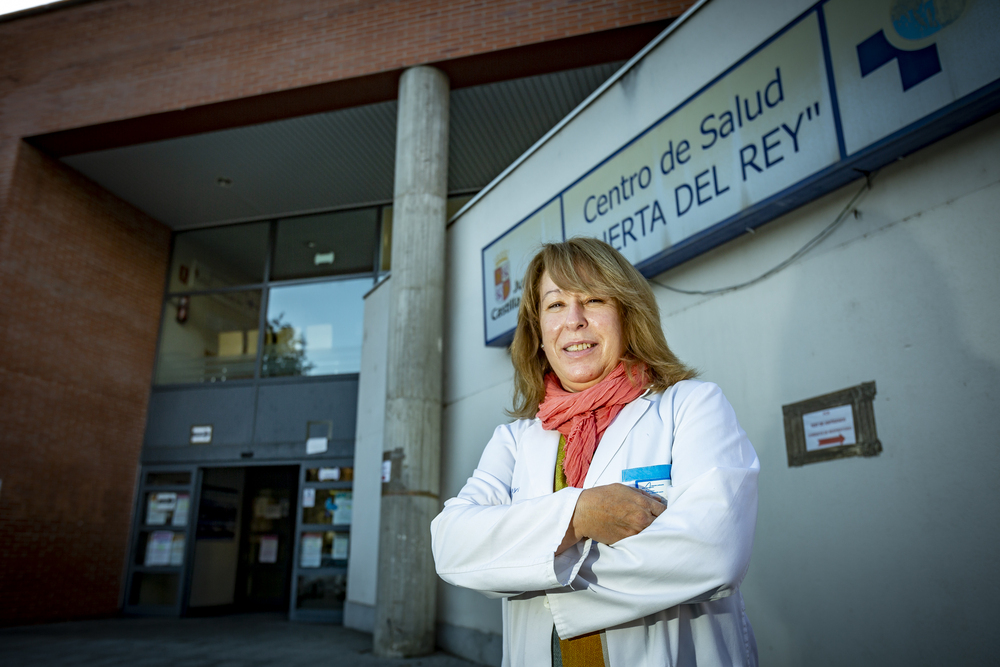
<point x="407" y="585"/>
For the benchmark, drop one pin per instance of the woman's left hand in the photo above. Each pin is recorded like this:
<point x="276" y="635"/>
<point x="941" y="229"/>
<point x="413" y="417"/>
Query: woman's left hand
<point x="611" y="513"/>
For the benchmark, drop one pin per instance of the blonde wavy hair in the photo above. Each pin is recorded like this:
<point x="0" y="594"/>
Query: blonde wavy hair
<point x="592" y="267"/>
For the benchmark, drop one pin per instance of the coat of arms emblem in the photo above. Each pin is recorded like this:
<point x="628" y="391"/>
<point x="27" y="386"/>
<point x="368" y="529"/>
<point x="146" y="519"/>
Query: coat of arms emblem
<point x="501" y="277"/>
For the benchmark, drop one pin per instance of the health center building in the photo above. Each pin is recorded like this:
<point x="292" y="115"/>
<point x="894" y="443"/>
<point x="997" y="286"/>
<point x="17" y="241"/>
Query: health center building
<point x="261" y="261"/>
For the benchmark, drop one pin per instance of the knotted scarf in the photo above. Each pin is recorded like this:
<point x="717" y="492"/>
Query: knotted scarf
<point x="584" y="416"/>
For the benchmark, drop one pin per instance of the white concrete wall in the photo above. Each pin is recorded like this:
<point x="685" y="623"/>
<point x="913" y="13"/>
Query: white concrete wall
<point x="877" y="561"/>
<point x="890" y="560"/>
<point x="362" y="574"/>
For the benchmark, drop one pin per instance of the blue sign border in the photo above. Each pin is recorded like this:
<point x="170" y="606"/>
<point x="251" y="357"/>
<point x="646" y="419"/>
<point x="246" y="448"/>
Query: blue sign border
<point x="937" y="125"/>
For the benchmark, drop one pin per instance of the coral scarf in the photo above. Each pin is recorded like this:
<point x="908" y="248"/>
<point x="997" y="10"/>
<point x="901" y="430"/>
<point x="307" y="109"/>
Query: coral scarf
<point x="584" y="416"/>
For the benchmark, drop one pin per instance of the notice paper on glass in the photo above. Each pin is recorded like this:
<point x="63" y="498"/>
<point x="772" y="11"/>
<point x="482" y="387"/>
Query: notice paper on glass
<point x="341" y="542"/>
<point x="159" y="507"/>
<point x="344" y="506"/>
<point x="177" y="549"/>
<point x="180" y="517"/>
<point x="312" y="549"/>
<point x="268" y="549"/>
<point x="329" y="474"/>
<point x="316" y="445"/>
<point x="309" y="497"/>
<point x="159" y="547"/>
<point x="165" y="502"/>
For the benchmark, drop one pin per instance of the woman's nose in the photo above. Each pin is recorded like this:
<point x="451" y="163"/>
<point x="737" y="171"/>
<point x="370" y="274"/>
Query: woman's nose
<point x="575" y="317"/>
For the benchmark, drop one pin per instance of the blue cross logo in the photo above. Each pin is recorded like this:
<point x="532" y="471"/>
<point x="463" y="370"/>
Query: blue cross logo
<point x="914" y="66"/>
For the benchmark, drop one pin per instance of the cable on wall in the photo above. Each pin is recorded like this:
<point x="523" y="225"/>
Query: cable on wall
<point x="812" y="243"/>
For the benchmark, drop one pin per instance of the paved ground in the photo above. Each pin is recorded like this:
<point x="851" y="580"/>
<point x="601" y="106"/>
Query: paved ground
<point x="246" y="640"/>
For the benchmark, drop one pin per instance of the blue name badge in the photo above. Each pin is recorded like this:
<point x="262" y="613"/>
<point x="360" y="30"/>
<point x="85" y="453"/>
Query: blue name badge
<point x="654" y="479"/>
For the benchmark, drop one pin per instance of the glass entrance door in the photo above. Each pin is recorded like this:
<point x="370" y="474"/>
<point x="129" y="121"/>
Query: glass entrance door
<point x="242" y="538"/>
<point x="263" y="578"/>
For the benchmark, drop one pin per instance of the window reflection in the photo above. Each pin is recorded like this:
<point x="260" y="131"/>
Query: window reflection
<point x="160" y="548"/>
<point x="315" y="329"/>
<point x="209" y="337"/>
<point x="325" y="549"/>
<point x="221" y="257"/>
<point x="452" y="206"/>
<point x="149" y="588"/>
<point x="165" y="508"/>
<point x="169" y="478"/>
<point x="323" y="591"/>
<point x="385" y="240"/>
<point x="331" y="474"/>
<point x="325" y="245"/>
<point x="332" y="506"/>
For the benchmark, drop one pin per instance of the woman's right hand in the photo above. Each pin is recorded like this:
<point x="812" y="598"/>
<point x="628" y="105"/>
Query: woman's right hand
<point x="611" y="513"/>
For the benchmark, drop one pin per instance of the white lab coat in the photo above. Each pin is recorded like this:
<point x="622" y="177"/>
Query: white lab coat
<point x="667" y="596"/>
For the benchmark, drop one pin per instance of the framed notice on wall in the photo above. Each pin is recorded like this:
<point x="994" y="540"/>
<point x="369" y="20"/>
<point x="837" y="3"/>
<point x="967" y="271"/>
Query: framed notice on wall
<point x="833" y="426"/>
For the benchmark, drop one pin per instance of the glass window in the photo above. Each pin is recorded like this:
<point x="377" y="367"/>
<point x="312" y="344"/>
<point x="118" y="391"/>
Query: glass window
<point x="160" y="548"/>
<point x="325" y="549"/>
<point x="455" y="204"/>
<point x="209" y="337"/>
<point x="331" y="506"/>
<point x="321" y="591"/>
<point x="331" y="474"/>
<point x="171" y="478"/>
<point x="150" y="588"/>
<point x="385" y="256"/>
<point x="315" y="329"/>
<point x="167" y="508"/>
<point x="325" y="245"/>
<point x="452" y="207"/>
<point x="221" y="257"/>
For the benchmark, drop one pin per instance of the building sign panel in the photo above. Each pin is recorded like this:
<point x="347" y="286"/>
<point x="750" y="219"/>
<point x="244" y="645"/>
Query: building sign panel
<point x="845" y="88"/>
<point x="505" y="261"/>
<point x="896" y="63"/>
<point x="753" y="133"/>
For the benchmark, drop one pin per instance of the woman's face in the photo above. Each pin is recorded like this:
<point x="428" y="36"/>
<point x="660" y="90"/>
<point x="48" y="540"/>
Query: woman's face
<point x="581" y="334"/>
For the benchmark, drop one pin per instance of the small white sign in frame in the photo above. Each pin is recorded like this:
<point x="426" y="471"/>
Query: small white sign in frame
<point x="201" y="434"/>
<point x="833" y="426"/>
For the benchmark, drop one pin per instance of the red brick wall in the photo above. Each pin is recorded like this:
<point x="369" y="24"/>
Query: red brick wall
<point x="114" y="59"/>
<point x="81" y="280"/>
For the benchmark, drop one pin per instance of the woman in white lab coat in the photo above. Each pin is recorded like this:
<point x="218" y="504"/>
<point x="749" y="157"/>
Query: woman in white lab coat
<point x="615" y="518"/>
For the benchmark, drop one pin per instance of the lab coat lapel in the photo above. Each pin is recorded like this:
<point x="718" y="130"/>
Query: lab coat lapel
<point x="539" y="454"/>
<point x="614" y="438"/>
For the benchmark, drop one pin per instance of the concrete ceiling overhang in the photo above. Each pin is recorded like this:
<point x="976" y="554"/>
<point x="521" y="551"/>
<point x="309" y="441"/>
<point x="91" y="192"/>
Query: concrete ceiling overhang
<point x="331" y="145"/>
<point x="585" y="50"/>
<point x="330" y="160"/>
